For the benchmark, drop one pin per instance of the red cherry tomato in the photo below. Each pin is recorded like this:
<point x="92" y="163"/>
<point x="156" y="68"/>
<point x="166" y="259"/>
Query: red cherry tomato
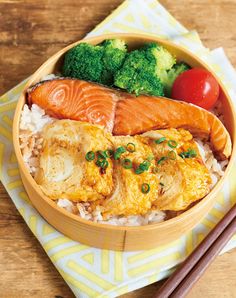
<point x="196" y="86"/>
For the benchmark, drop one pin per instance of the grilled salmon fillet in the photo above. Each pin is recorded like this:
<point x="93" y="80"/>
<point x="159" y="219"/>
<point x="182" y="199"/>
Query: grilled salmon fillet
<point x="135" y="115"/>
<point x="125" y="114"/>
<point x="76" y="100"/>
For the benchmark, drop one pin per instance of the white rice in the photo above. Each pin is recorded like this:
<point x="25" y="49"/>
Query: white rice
<point x="152" y="216"/>
<point x="216" y="168"/>
<point x="33" y="119"/>
<point x="31" y="124"/>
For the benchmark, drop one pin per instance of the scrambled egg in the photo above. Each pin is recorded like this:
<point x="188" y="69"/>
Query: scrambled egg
<point x="64" y="172"/>
<point x="174" y="181"/>
<point x="128" y="197"/>
<point x="182" y="180"/>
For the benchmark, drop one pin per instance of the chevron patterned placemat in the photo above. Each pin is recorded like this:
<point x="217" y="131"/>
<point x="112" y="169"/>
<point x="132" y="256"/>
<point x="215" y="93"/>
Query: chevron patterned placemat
<point x="92" y="272"/>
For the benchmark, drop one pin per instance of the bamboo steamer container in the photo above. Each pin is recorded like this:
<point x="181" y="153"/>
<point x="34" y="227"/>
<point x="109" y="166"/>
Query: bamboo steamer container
<point x="108" y="236"/>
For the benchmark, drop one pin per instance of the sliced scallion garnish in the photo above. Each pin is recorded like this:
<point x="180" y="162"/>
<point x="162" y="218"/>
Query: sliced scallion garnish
<point x="102" y="163"/>
<point x="109" y="153"/>
<point x="118" y="152"/>
<point x="145" y="188"/>
<point x="161" y="140"/>
<point x="138" y="171"/>
<point x="163" y="158"/>
<point x="127" y="163"/>
<point x="130" y="147"/>
<point x="190" y="153"/>
<point x="101" y="154"/>
<point x="145" y="165"/>
<point x="171" y="155"/>
<point x="172" y="143"/>
<point x="90" y="156"/>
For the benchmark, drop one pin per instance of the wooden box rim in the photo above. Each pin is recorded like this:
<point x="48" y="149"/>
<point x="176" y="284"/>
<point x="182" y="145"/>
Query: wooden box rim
<point x="94" y="40"/>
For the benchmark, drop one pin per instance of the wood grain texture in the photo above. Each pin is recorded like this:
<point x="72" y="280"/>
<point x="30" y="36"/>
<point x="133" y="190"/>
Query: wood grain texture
<point x="30" y="32"/>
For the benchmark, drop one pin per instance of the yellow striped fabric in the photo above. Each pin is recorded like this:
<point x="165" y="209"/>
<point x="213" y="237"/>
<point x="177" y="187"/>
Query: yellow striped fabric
<point x="92" y="272"/>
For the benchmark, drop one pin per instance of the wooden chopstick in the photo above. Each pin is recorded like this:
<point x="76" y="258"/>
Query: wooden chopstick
<point x="205" y="252"/>
<point x="193" y="276"/>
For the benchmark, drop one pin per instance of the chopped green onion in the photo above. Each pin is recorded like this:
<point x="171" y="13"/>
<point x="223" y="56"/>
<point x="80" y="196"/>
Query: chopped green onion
<point x="139" y="171"/>
<point x="102" y="163"/>
<point x="161" y="160"/>
<point x="99" y="162"/>
<point x="127" y="163"/>
<point x="118" y="152"/>
<point x="162" y="184"/>
<point x="171" y="155"/>
<point x="101" y="154"/>
<point x="109" y="153"/>
<point x="161" y="140"/>
<point x="192" y="153"/>
<point x="120" y="149"/>
<point x="130" y="147"/>
<point x="145" y="188"/>
<point x="188" y="154"/>
<point x="172" y="144"/>
<point x="90" y="156"/>
<point x="145" y="165"/>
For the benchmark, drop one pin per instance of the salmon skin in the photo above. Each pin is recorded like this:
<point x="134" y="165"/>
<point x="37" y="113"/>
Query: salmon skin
<point x="125" y="114"/>
<point x="73" y="99"/>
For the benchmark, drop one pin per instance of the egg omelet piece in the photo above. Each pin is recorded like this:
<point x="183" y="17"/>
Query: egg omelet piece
<point x="64" y="171"/>
<point x="184" y="180"/>
<point x="128" y="198"/>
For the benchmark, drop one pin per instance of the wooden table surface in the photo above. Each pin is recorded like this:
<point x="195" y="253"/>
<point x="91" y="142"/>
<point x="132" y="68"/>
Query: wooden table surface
<point x="31" y="31"/>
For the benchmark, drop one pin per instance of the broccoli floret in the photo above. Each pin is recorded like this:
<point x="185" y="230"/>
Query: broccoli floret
<point x="137" y="75"/>
<point x="84" y="61"/>
<point x="148" y="70"/>
<point x="144" y="69"/>
<point x="172" y="74"/>
<point x="164" y="59"/>
<point x="114" y="54"/>
<point x="95" y="63"/>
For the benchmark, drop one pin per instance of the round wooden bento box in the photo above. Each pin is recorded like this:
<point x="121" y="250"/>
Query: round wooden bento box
<point x="107" y="236"/>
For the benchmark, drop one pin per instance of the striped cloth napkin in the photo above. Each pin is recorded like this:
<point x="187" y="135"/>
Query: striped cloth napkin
<point x="92" y="272"/>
